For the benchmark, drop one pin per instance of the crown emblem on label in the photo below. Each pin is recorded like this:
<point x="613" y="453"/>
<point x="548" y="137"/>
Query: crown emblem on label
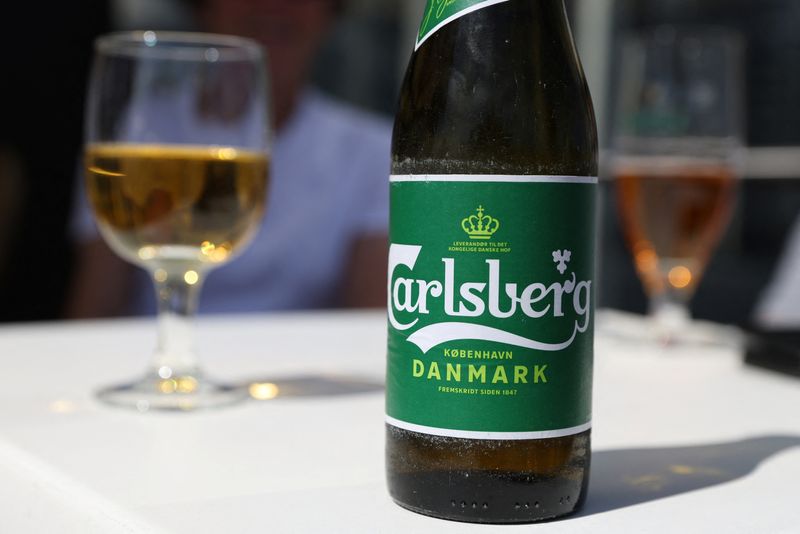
<point x="480" y="226"/>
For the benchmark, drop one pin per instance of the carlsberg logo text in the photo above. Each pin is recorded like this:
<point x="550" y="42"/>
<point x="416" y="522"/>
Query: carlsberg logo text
<point x="480" y="297"/>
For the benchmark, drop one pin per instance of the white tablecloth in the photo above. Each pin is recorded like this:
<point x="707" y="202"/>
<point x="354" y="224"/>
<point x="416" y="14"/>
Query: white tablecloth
<point x="684" y="440"/>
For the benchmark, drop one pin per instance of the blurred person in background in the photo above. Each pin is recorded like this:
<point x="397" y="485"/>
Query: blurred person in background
<point x="323" y="240"/>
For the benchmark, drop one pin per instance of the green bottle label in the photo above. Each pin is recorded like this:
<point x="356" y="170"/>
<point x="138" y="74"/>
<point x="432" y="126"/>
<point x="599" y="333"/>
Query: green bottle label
<point x="440" y="12"/>
<point x="491" y="302"/>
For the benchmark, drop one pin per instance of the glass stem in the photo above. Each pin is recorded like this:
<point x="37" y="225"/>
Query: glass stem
<point x="671" y="316"/>
<point x="177" y="303"/>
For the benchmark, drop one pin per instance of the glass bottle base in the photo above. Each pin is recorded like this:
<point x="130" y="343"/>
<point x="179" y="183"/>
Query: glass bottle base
<point x="484" y="481"/>
<point x="499" y="502"/>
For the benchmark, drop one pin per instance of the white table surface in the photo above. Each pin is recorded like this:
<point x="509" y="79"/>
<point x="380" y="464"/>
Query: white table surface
<point x="684" y="441"/>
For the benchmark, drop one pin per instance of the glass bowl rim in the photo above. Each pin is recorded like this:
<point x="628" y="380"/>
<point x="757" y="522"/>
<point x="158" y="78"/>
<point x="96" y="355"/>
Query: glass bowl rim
<point x="179" y="46"/>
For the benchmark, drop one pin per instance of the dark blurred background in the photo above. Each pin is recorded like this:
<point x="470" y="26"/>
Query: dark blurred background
<point x="46" y="54"/>
<point x="44" y="77"/>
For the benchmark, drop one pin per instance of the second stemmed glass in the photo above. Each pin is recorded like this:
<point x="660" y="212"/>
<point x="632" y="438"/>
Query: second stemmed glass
<point x="677" y="155"/>
<point x="177" y="161"/>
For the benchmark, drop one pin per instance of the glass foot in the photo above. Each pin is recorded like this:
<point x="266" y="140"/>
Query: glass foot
<point x="178" y="393"/>
<point x="633" y="330"/>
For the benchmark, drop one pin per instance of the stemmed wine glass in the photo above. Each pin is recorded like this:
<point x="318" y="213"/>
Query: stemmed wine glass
<point x="177" y="166"/>
<point x="676" y="158"/>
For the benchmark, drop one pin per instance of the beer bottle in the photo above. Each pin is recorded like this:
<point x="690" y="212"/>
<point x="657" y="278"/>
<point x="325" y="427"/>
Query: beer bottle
<point x="491" y="267"/>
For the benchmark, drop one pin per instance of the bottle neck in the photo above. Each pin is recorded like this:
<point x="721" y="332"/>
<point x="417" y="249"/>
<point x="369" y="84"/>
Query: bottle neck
<point x="489" y="31"/>
<point x="440" y="13"/>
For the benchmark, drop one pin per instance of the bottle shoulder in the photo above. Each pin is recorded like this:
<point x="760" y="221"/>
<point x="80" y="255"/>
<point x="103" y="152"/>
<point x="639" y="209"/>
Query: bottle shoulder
<point x="496" y="92"/>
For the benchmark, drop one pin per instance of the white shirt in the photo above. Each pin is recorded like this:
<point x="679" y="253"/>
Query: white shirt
<point x="330" y="168"/>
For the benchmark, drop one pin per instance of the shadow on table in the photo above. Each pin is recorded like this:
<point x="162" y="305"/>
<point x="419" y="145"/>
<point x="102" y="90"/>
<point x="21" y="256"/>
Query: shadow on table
<point x="311" y="386"/>
<point x="625" y="477"/>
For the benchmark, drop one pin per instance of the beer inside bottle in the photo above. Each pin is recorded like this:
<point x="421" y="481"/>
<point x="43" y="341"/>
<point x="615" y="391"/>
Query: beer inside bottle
<point x="491" y="267"/>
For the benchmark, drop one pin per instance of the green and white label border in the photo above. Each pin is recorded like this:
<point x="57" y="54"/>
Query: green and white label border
<point x="505" y="436"/>
<point x="497" y="178"/>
